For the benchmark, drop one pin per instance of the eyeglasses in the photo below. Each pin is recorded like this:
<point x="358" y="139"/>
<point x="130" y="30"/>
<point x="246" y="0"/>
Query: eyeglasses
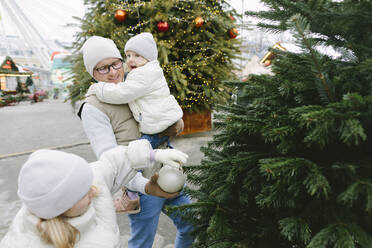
<point x="106" y="69"/>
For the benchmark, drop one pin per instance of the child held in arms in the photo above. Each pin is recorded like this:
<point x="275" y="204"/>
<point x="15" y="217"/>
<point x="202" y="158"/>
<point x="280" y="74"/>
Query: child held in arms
<point x="146" y="91"/>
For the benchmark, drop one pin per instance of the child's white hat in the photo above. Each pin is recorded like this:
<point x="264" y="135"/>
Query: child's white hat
<point x="143" y="44"/>
<point x="97" y="48"/>
<point x="51" y="182"/>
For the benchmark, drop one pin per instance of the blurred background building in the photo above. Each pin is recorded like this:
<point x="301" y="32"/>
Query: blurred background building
<point x="34" y="34"/>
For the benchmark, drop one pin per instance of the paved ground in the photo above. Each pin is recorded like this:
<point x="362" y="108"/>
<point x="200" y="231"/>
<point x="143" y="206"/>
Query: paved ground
<point x="53" y="124"/>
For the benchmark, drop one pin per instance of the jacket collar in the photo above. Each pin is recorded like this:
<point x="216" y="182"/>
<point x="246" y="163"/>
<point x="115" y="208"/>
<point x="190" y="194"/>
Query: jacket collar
<point x="83" y="223"/>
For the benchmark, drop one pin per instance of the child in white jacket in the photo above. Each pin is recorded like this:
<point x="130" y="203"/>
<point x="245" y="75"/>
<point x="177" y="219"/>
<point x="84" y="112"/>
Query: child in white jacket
<point x="68" y="203"/>
<point x="145" y="89"/>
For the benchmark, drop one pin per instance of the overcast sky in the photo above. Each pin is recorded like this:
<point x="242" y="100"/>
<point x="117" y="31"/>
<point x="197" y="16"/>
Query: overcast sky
<point x="51" y="16"/>
<point x="48" y="16"/>
<point x="246" y="5"/>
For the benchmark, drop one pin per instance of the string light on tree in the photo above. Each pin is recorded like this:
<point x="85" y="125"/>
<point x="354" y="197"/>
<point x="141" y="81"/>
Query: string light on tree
<point x="163" y="26"/>
<point x="120" y="15"/>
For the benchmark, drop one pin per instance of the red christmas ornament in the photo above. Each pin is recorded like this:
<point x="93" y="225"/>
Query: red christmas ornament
<point x="198" y="22"/>
<point x="232" y="18"/>
<point x="120" y="15"/>
<point x="8" y="62"/>
<point x="267" y="63"/>
<point x="233" y="33"/>
<point x="163" y="26"/>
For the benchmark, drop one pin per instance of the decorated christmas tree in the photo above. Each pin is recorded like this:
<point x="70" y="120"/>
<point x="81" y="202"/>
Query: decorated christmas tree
<point x="291" y="164"/>
<point x="196" y="44"/>
<point x="9" y="67"/>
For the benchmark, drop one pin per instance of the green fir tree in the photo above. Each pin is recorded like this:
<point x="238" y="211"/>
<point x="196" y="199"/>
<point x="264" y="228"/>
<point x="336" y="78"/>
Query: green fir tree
<point x="291" y="163"/>
<point x="29" y="82"/>
<point x="195" y="59"/>
<point x="21" y="88"/>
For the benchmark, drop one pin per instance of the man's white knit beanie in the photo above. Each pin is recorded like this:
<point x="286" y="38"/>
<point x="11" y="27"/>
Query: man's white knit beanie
<point x="143" y="44"/>
<point x="51" y="182"/>
<point x="97" y="48"/>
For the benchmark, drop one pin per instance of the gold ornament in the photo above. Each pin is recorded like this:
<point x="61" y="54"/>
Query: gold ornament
<point x="120" y="15"/>
<point x="198" y="22"/>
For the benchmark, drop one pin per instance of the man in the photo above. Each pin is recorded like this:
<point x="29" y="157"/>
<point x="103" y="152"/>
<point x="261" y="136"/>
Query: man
<point x="108" y="125"/>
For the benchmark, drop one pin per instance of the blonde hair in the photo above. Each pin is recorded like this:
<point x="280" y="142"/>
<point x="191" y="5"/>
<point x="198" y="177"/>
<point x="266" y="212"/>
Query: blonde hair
<point x="58" y="232"/>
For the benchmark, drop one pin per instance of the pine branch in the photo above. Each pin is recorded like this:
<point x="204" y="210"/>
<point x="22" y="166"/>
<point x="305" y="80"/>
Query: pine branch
<point x="301" y="26"/>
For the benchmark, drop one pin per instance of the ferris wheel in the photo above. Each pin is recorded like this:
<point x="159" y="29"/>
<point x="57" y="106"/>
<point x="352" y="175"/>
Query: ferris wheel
<point x="33" y="29"/>
<point x="31" y="36"/>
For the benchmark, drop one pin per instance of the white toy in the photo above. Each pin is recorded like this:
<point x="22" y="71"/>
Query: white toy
<point x="171" y="179"/>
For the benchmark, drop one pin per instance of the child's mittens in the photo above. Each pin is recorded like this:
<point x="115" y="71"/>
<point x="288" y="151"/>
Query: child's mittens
<point x="172" y="157"/>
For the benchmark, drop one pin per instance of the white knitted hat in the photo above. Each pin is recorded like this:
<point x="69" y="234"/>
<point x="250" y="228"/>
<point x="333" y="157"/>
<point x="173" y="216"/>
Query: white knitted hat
<point x="51" y="182"/>
<point x="143" y="44"/>
<point x="97" y="48"/>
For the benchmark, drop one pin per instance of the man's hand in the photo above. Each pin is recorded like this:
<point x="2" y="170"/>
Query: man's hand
<point x="172" y="157"/>
<point x="152" y="188"/>
<point x="173" y="130"/>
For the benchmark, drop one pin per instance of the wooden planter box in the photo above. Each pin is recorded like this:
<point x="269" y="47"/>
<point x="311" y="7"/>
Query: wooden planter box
<point x="197" y="122"/>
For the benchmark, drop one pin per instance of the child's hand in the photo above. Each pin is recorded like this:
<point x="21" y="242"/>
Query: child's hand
<point x="153" y="188"/>
<point x="92" y="90"/>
